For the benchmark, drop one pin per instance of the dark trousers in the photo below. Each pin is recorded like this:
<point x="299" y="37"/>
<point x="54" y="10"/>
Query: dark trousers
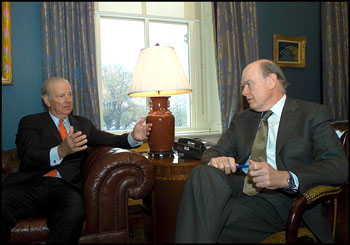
<point x="44" y="196"/>
<point x="214" y="209"/>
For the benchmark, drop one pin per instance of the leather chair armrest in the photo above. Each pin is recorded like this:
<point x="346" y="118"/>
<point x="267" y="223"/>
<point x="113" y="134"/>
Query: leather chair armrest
<point x="321" y="192"/>
<point x="10" y="162"/>
<point x="311" y="197"/>
<point x="111" y="177"/>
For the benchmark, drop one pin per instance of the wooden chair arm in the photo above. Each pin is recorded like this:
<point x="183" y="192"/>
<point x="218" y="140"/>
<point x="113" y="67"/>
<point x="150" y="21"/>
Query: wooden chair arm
<point x="311" y="197"/>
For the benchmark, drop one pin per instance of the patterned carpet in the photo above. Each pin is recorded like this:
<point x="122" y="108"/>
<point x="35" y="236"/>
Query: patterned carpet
<point x="136" y="234"/>
<point x="136" y="230"/>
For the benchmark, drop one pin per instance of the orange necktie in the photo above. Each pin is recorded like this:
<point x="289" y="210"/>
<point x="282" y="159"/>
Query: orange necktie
<point x="63" y="132"/>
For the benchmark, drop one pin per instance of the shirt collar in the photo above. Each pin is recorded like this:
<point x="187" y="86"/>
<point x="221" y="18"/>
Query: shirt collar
<point x="278" y="107"/>
<point x="57" y="120"/>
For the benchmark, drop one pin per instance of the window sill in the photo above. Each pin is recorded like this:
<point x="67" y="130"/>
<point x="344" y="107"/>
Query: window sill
<point x="198" y="134"/>
<point x="207" y="135"/>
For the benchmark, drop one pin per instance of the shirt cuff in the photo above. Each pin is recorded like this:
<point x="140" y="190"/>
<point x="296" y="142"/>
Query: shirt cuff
<point x="296" y="181"/>
<point x="54" y="158"/>
<point x="132" y="142"/>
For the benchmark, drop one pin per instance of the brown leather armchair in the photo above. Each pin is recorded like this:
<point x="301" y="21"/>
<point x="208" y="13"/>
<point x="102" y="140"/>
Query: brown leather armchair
<point x="334" y="198"/>
<point x="111" y="177"/>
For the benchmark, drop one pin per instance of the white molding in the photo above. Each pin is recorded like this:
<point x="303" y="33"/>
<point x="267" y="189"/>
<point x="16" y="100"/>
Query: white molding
<point x="140" y="16"/>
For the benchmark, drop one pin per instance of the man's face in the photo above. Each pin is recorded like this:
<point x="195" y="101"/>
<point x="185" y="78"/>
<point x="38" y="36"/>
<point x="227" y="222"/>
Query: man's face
<point x="256" y="88"/>
<point x="59" y="100"/>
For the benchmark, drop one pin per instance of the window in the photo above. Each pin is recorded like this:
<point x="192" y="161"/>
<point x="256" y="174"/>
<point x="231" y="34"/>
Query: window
<point x="119" y="54"/>
<point x="122" y="30"/>
<point x="174" y="35"/>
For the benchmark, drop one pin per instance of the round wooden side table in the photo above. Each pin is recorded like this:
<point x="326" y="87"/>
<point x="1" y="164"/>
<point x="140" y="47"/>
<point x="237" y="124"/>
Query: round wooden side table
<point x="170" y="177"/>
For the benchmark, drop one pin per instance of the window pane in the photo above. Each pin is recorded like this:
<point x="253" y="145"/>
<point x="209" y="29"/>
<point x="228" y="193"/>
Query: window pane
<point x="174" y="35"/>
<point x="121" y="7"/>
<point x="173" y="9"/>
<point x="120" y="49"/>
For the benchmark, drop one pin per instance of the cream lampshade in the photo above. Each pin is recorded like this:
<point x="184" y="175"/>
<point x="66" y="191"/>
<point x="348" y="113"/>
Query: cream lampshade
<point x="158" y="75"/>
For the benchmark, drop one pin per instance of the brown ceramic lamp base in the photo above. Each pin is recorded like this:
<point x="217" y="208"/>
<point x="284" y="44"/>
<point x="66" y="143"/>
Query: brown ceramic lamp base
<point x="161" y="139"/>
<point x="161" y="154"/>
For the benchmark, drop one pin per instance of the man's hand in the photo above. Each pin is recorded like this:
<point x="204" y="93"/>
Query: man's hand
<point x="227" y="164"/>
<point x="265" y="176"/>
<point x="74" y="142"/>
<point x="141" y="131"/>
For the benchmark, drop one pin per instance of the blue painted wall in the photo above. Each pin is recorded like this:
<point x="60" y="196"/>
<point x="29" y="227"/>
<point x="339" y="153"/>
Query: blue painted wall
<point x="23" y="97"/>
<point x="287" y="18"/>
<point x="294" y="19"/>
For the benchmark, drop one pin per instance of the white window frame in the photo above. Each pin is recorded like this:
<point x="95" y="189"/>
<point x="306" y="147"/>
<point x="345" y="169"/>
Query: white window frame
<point x="204" y="99"/>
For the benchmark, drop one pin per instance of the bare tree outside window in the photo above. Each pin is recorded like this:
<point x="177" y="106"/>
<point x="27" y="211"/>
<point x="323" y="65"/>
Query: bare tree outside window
<point x="120" y="111"/>
<point x="121" y="42"/>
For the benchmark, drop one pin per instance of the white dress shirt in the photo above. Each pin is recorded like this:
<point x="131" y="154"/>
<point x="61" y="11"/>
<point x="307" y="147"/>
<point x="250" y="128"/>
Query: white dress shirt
<point x="273" y="122"/>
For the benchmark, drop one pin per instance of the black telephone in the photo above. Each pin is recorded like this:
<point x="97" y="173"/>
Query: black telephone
<point x="191" y="147"/>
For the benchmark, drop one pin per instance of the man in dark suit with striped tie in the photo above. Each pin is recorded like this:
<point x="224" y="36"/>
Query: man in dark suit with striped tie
<point x="51" y="146"/>
<point x="223" y="204"/>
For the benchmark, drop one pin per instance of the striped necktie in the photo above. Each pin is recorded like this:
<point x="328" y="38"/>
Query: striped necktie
<point x="63" y="132"/>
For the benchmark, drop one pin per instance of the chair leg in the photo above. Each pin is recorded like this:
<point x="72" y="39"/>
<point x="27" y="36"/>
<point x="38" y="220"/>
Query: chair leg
<point x="294" y="219"/>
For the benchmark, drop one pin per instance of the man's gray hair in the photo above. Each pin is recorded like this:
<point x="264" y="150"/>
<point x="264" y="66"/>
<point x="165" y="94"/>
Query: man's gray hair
<point x="45" y="87"/>
<point x="268" y="67"/>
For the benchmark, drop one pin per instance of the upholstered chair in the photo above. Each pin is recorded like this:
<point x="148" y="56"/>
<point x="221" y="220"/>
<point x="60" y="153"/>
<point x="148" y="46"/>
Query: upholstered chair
<point x="111" y="177"/>
<point x="334" y="198"/>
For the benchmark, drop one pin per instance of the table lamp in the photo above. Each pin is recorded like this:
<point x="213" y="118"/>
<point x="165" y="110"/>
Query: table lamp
<point x="158" y="75"/>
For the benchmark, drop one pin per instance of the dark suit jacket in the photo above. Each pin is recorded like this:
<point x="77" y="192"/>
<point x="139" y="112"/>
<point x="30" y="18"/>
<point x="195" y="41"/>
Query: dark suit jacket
<point x="37" y="134"/>
<point x="306" y="145"/>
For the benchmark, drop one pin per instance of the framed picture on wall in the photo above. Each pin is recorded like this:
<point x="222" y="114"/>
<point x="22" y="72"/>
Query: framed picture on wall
<point x="289" y="51"/>
<point x="6" y="74"/>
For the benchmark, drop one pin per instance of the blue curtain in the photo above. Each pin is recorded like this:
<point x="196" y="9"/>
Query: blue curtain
<point x="236" y="44"/>
<point x="335" y="58"/>
<point x="69" y="51"/>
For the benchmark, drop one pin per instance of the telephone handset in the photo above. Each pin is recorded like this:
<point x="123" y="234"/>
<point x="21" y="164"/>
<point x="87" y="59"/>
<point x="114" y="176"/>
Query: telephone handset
<point x="191" y="147"/>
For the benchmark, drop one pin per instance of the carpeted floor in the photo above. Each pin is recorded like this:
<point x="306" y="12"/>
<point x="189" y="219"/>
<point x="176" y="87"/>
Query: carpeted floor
<point x="136" y="234"/>
<point x="136" y="229"/>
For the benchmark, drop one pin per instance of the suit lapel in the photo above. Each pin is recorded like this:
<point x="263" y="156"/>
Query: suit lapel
<point x="51" y="127"/>
<point x="75" y="123"/>
<point x="250" y="127"/>
<point x="290" y="116"/>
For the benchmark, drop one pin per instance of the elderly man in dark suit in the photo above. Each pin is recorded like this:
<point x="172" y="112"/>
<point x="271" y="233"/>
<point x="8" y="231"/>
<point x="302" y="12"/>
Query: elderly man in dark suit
<point x="51" y="147"/>
<point x="301" y="150"/>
